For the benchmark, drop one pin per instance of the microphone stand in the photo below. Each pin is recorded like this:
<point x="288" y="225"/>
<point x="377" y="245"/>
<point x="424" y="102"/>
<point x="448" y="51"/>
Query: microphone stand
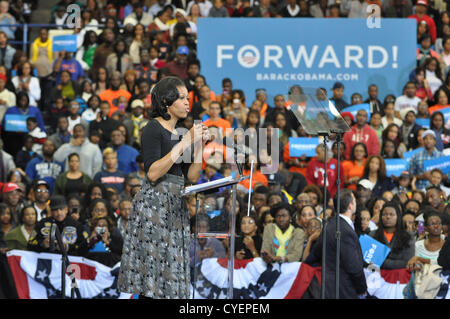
<point x="338" y="208"/>
<point x="66" y="266"/>
<point x="324" y="220"/>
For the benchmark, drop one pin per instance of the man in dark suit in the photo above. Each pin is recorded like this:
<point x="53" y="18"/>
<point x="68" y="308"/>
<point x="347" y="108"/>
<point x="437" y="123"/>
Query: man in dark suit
<point x="352" y="282"/>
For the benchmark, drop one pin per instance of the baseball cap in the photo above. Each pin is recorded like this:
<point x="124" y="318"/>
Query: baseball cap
<point x="405" y="111"/>
<point x="57" y="202"/>
<point x="428" y="132"/>
<point x="41" y="182"/>
<point x="183" y="50"/>
<point x="422" y="2"/>
<point x="276" y="178"/>
<point x="9" y="187"/>
<point x="137" y="103"/>
<point x="349" y="114"/>
<point x="181" y="11"/>
<point x="366" y="184"/>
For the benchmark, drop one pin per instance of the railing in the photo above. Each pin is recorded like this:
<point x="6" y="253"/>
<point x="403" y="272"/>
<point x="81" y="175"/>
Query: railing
<point x="27" y="26"/>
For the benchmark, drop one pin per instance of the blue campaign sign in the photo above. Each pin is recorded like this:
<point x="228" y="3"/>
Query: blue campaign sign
<point x="299" y="146"/>
<point x="407" y="155"/>
<point x="423" y="122"/>
<point x="446" y="113"/>
<point x="373" y="251"/>
<point x="16" y="123"/>
<point x="395" y="166"/>
<point x="443" y="163"/>
<point x="276" y="54"/>
<point x="355" y="108"/>
<point x="65" y="42"/>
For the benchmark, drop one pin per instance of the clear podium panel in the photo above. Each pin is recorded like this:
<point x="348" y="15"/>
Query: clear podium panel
<point x="315" y="112"/>
<point x="212" y="236"/>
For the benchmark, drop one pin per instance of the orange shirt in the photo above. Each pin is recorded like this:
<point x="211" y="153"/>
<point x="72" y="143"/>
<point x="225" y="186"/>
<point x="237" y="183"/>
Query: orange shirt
<point x="389" y="236"/>
<point x="351" y="169"/>
<point x="287" y="158"/>
<point x="112" y="97"/>
<point x="257" y="177"/>
<point x="437" y="107"/>
<point x="223" y="124"/>
<point x="263" y="110"/>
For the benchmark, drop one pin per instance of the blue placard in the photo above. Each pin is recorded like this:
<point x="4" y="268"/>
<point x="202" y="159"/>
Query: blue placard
<point x="446" y="113"/>
<point x="303" y="146"/>
<point x="395" y="166"/>
<point x="443" y="163"/>
<point x="407" y="155"/>
<point x="355" y="108"/>
<point x="276" y="54"/>
<point x="16" y="123"/>
<point x="423" y="122"/>
<point x="373" y="251"/>
<point x="65" y="42"/>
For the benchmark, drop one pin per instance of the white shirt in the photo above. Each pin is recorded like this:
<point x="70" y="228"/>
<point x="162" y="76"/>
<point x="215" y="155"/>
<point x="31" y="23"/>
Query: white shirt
<point x="349" y="221"/>
<point x="421" y="251"/>
<point x="72" y="123"/>
<point x="404" y="102"/>
<point x="90" y="114"/>
<point x="35" y="89"/>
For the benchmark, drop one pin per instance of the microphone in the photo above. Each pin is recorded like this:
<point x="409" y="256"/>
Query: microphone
<point x="52" y="237"/>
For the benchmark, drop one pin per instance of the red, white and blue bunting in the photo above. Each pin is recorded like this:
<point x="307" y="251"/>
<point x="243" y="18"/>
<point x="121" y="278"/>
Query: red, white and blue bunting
<point x="38" y="276"/>
<point x="253" y="279"/>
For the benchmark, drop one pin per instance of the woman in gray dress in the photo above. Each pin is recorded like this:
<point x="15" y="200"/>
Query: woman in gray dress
<point x="155" y="255"/>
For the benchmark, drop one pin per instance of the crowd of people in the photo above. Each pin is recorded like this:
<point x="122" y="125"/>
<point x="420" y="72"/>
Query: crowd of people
<point x="77" y="159"/>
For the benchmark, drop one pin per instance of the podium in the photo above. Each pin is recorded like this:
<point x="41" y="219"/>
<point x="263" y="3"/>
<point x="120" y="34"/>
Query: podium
<point x="209" y="188"/>
<point x="319" y="117"/>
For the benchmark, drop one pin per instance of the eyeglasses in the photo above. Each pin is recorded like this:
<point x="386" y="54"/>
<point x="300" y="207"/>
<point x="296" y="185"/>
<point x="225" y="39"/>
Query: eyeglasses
<point x="435" y="224"/>
<point x="42" y="191"/>
<point x="99" y="210"/>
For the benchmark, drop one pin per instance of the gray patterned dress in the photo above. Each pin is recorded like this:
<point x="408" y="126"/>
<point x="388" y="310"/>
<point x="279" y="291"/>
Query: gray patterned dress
<point x="155" y="256"/>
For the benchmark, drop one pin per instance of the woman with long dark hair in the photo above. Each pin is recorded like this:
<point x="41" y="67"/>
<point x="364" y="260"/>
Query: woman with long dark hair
<point x="155" y="258"/>
<point x="85" y="54"/>
<point x="375" y="171"/>
<point x="393" y="234"/>
<point x="392" y="132"/>
<point x="120" y="60"/>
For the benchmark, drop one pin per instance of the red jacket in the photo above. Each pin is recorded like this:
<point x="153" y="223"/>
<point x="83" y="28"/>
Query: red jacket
<point x="366" y="135"/>
<point x="430" y="23"/>
<point x="315" y="171"/>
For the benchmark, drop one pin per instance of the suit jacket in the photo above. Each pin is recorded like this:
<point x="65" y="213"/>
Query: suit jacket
<point x="352" y="281"/>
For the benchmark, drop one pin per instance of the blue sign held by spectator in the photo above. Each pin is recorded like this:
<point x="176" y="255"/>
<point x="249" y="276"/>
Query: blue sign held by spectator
<point x="443" y="163"/>
<point x="395" y="166"/>
<point x="373" y="251"/>
<point x="16" y="123"/>
<point x="423" y="122"/>
<point x="65" y="42"/>
<point x="355" y="108"/>
<point x="303" y="146"/>
<point x="407" y="155"/>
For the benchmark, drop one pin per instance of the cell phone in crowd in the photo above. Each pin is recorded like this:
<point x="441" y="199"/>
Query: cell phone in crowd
<point x="420" y="227"/>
